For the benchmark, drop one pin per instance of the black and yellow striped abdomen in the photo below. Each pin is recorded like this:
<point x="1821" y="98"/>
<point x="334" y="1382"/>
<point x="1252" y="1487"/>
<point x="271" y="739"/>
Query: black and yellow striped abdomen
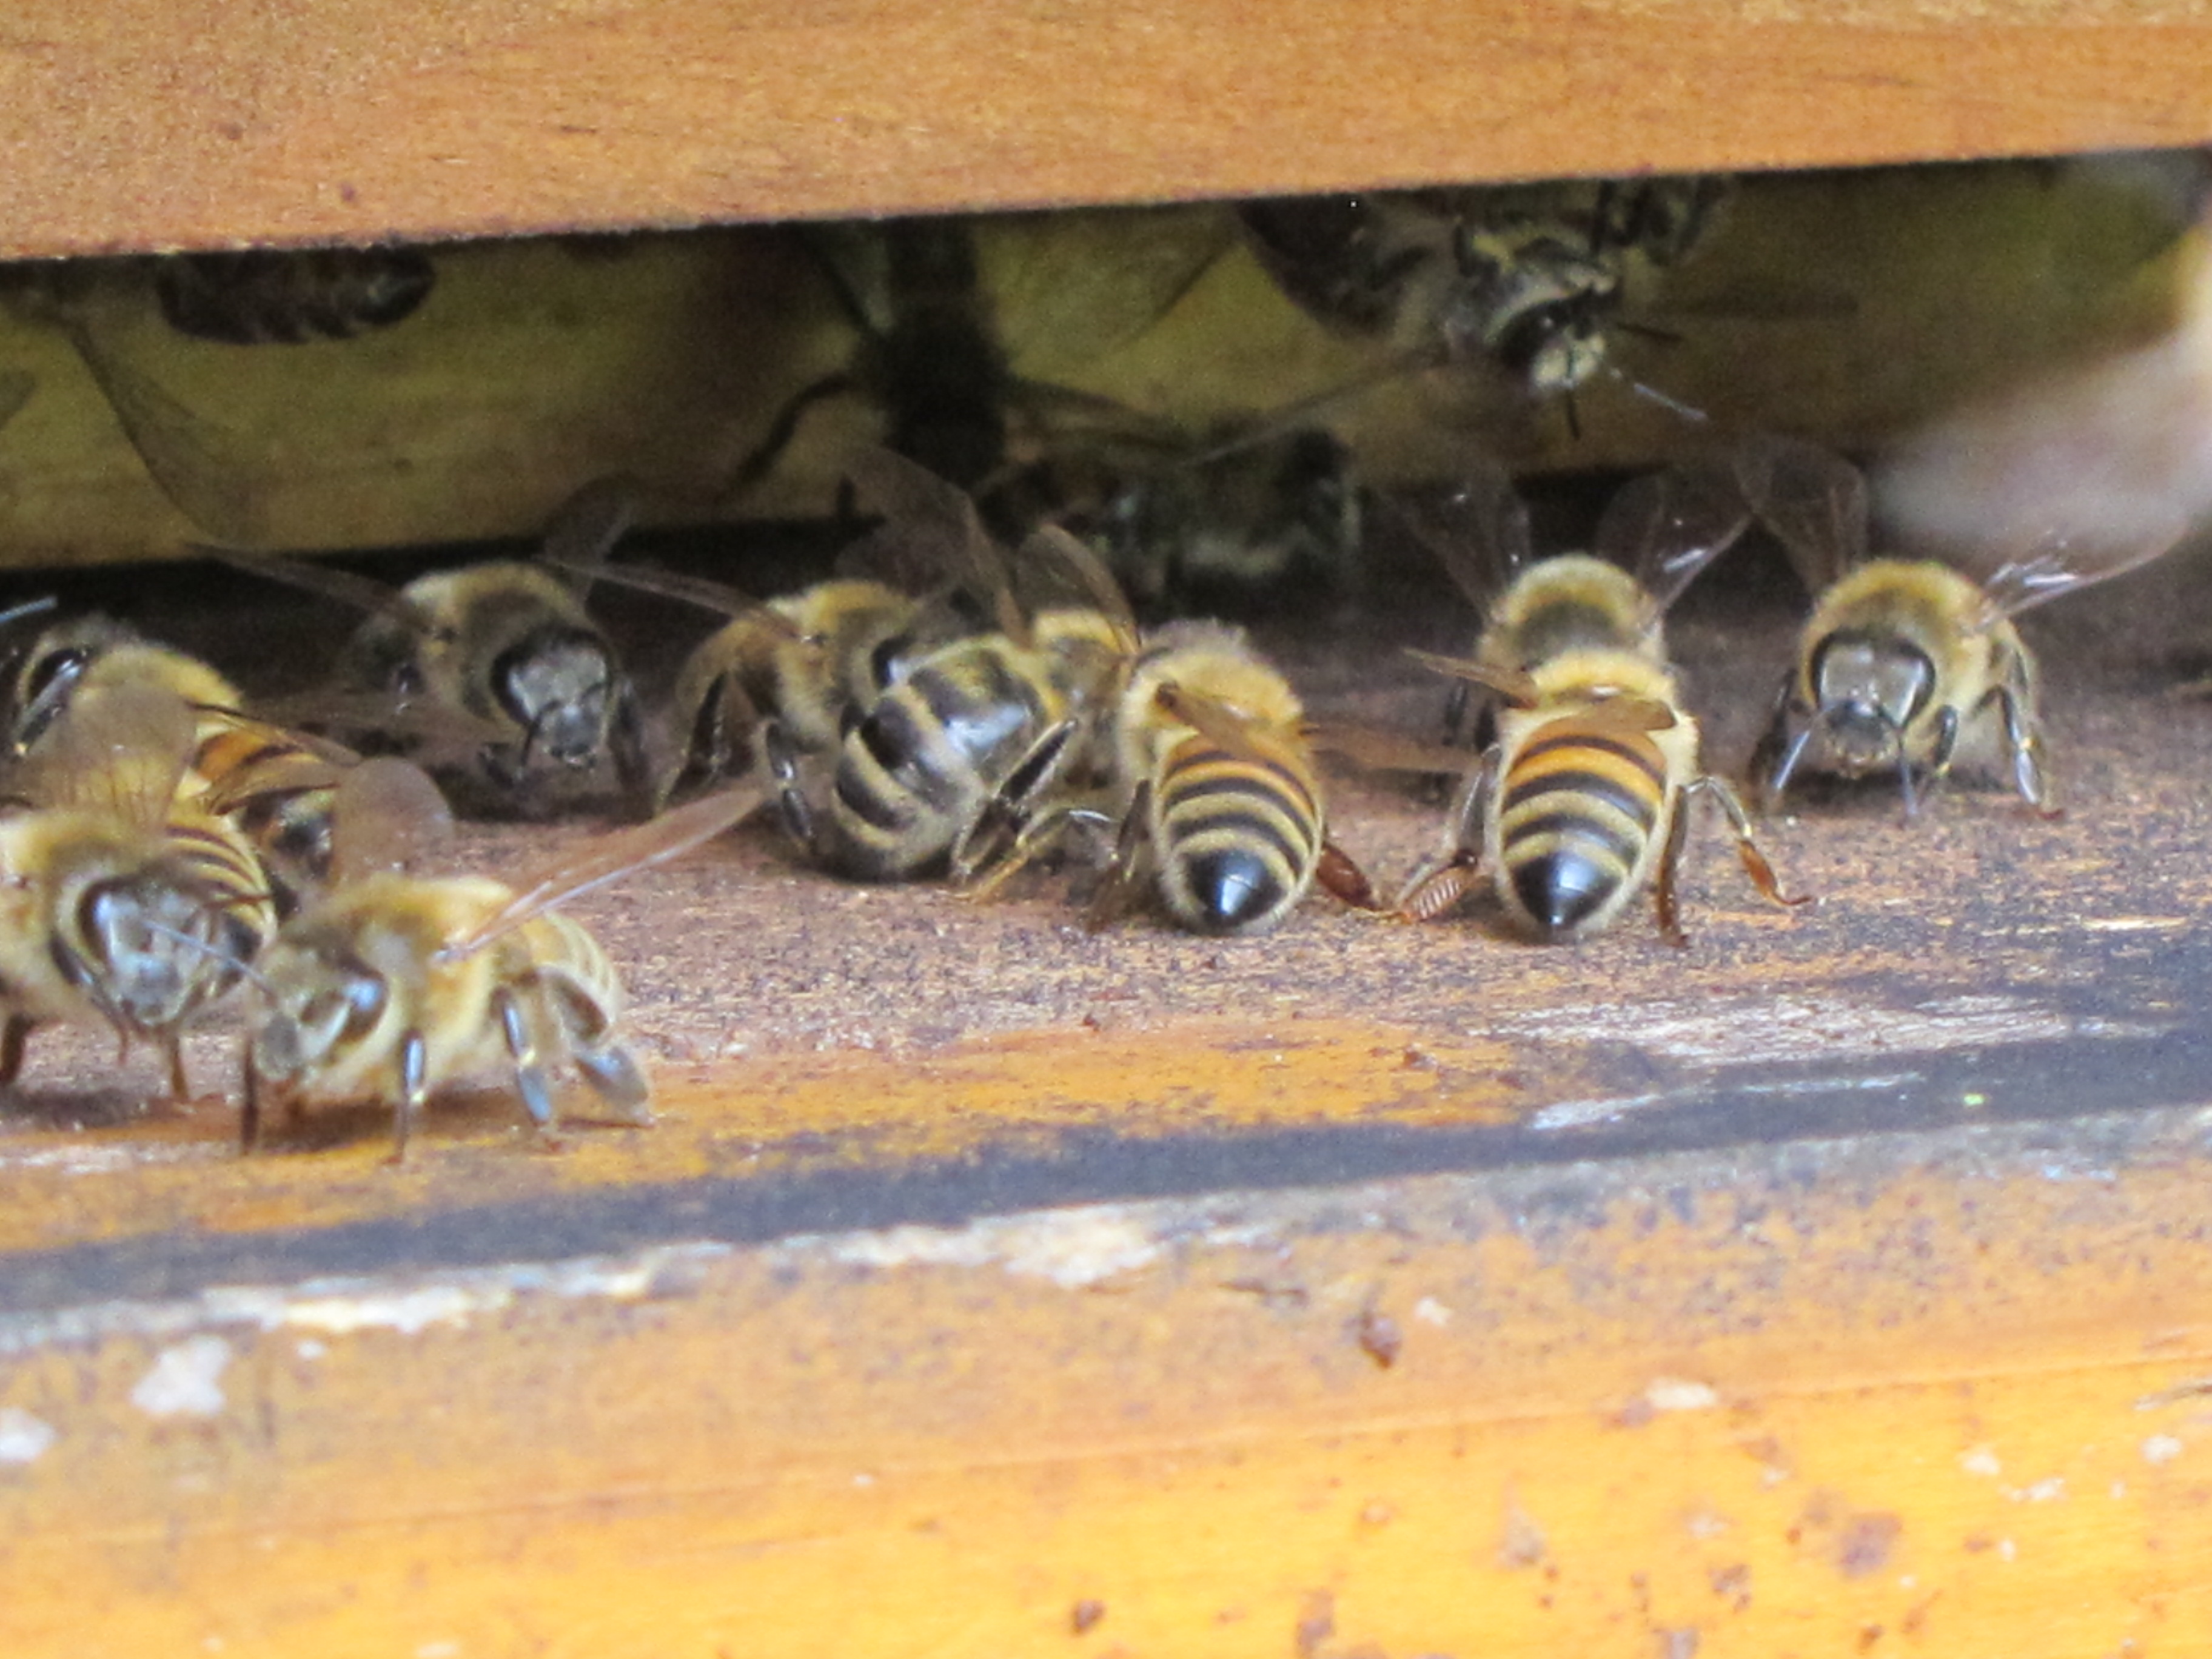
<point x="1580" y="812"/>
<point x="225" y="868"/>
<point x="1238" y="835"/>
<point x="922" y="763"/>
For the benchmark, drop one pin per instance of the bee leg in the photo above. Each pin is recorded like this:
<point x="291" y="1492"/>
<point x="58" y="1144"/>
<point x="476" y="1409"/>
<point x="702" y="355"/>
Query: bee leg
<point x="180" y="1089"/>
<point x="1448" y="876"/>
<point x="780" y="761"/>
<point x="249" y="1113"/>
<point x="1030" y="781"/>
<point x="1746" y="846"/>
<point x="587" y="1032"/>
<point x="1918" y="789"/>
<point x="14" y="1038"/>
<point x="1775" y="756"/>
<point x="529" y="1076"/>
<point x="1037" y="835"/>
<point x="761" y="459"/>
<point x="626" y="746"/>
<point x="414" y="1091"/>
<point x="617" y="1078"/>
<point x="1342" y="878"/>
<point x="1664" y="900"/>
<point x="2015" y="702"/>
<point x="1128" y="867"/>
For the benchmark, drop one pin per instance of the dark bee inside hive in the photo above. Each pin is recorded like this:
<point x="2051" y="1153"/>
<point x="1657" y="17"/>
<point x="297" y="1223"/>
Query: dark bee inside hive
<point x="1051" y="580"/>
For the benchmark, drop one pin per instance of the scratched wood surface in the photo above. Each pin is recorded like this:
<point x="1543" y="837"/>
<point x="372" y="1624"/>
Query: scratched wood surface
<point x="136" y="128"/>
<point x="1836" y="1285"/>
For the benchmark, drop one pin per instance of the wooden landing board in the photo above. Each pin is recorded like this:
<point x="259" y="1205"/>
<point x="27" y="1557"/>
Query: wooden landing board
<point x="1835" y="1286"/>
<point x="135" y="129"/>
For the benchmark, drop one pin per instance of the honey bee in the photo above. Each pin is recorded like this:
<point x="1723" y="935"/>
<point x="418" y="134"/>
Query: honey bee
<point x="1579" y="801"/>
<point x="811" y="661"/>
<point x="274" y="784"/>
<point x="1209" y="785"/>
<point x="262" y="296"/>
<point x="1906" y="664"/>
<point x="124" y="903"/>
<point x="917" y="769"/>
<point x="398" y="984"/>
<point x="1531" y="280"/>
<point x="502" y="662"/>
<point x="93" y="652"/>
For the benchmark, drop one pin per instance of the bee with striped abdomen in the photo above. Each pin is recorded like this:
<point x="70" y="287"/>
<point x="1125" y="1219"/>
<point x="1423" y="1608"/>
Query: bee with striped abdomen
<point x="1194" y="754"/>
<point x="125" y="901"/>
<point x="397" y="983"/>
<point x="1905" y="664"/>
<point x="1578" y="802"/>
<point x="916" y="770"/>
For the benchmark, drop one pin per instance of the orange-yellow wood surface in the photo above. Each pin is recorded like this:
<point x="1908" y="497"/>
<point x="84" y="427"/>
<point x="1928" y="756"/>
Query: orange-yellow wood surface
<point x="143" y="125"/>
<point x="1944" y="1410"/>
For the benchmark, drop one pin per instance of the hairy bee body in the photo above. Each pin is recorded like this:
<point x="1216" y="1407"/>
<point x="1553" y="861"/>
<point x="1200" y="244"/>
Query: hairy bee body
<point x="813" y="661"/>
<point x="138" y="927"/>
<point x="370" y="1001"/>
<point x="917" y="770"/>
<point x="92" y="652"/>
<point x="1570" y="603"/>
<point x="1906" y="664"/>
<point x="263" y="297"/>
<point x="1231" y="820"/>
<point x="510" y="645"/>
<point x="1582" y="807"/>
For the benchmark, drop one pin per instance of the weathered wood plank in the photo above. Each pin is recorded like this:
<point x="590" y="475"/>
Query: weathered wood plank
<point x="143" y="127"/>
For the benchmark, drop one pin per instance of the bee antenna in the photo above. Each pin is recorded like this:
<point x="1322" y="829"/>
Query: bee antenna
<point x="246" y="970"/>
<point x="15" y="613"/>
<point x="1687" y="411"/>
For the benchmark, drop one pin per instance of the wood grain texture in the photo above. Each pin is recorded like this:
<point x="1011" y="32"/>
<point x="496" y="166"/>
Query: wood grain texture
<point x="151" y="126"/>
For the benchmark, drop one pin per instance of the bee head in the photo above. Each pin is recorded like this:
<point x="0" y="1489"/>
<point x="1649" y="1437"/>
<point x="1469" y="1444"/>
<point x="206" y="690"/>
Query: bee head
<point x="1869" y="687"/>
<point x="151" y="947"/>
<point x="321" y="999"/>
<point x="558" y="684"/>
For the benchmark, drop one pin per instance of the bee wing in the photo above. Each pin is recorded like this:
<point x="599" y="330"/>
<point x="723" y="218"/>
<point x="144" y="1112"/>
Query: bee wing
<point x="363" y="593"/>
<point x="611" y="856"/>
<point x="1211" y="718"/>
<point x="1477" y="530"/>
<point x="719" y="598"/>
<point x="292" y="761"/>
<point x="1378" y="750"/>
<point x="1812" y="499"/>
<point x="586" y="527"/>
<point x="201" y="467"/>
<point x="2060" y="564"/>
<point x="1511" y="683"/>
<point x="119" y="749"/>
<point x="437" y="727"/>
<point x="387" y="816"/>
<point x="1667" y="526"/>
<point x="932" y="534"/>
<point x="1632" y="715"/>
<point x="1056" y="565"/>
